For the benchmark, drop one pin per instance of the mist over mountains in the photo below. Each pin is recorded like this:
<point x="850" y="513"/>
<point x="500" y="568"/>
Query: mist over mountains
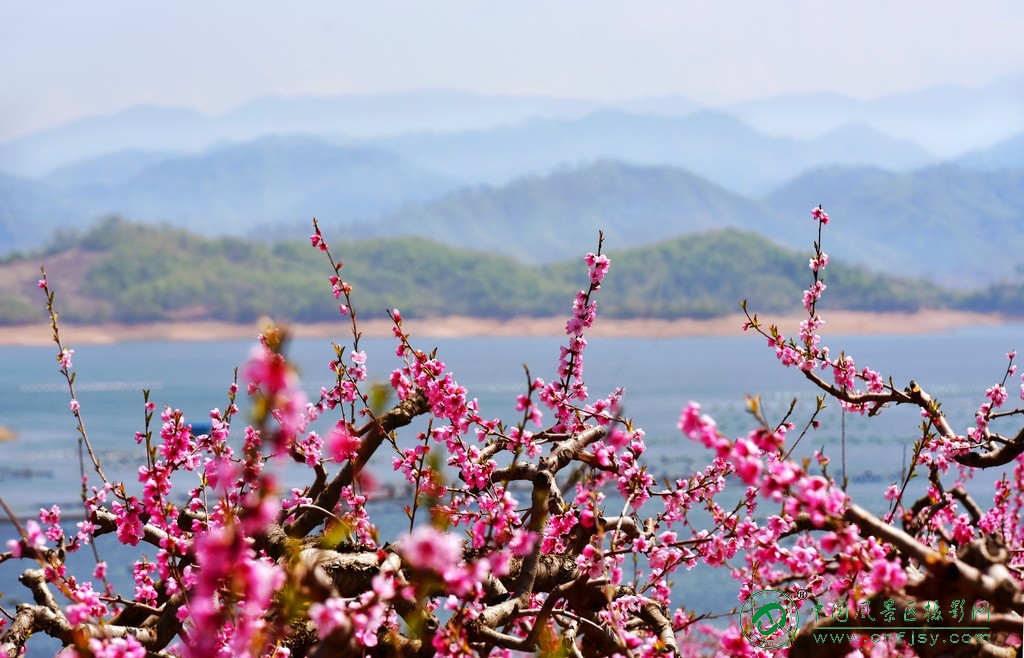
<point x="945" y="121"/>
<point x="928" y="184"/>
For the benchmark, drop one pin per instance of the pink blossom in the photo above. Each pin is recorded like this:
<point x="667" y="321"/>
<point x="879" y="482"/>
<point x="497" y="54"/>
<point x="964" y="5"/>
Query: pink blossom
<point x="297" y="498"/>
<point x="86" y="530"/>
<point x="819" y="215"/>
<point x="342" y="444"/>
<point x="129" y="525"/>
<point x="845" y="372"/>
<point x="813" y="294"/>
<point x="310" y="448"/>
<point x="118" y="647"/>
<point x="522" y="542"/>
<point x="145" y="592"/>
<point x="35" y="538"/>
<point x="86" y="604"/>
<point x="819" y="262"/>
<point x="809" y="332"/>
<point x="427" y="548"/>
<point x="270" y="374"/>
<point x="697" y="426"/>
<point x="51" y="515"/>
<point x="873" y="380"/>
<point x="997" y="394"/>
<point x="817" y="497"/>
<point x="598" y="267"/>
<point x="885" y="575"/>
<point x="963" y="531"/>
<point x="745" y="457"/>
<point x="383" y="585"/>
<point x="268" y="369"/>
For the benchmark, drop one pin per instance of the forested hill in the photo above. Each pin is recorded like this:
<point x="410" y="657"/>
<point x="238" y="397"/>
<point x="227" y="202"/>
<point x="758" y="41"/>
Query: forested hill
<point x="120" y="271"/>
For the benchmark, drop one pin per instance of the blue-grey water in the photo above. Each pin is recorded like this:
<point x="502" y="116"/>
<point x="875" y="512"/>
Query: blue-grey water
<point x="40" y="467"/>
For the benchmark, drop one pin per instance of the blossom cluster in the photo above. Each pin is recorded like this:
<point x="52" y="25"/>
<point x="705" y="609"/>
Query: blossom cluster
<point x="522" y="536"/>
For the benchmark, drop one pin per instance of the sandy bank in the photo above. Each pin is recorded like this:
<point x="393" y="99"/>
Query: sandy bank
<point x="837" y="323"/>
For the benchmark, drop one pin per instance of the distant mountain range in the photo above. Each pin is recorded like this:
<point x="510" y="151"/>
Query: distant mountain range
<point x="185" y="130"/>
<point x="946" y="120"/>
<point x="233" y="189"/>
<point x="539" y="219"/>
<point x="711" y="144"/>
<point x="957" y="226"/>
<point x="534" y="178"/>
<point x="236" y="189"/>
<point x="1008" y="154"/>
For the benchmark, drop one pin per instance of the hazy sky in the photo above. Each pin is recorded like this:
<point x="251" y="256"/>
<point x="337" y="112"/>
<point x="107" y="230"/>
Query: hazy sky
<point x="60" y="60"/>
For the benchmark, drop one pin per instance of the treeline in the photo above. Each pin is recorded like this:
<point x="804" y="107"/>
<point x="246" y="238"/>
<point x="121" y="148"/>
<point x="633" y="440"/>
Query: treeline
<point x="120" y="271"/>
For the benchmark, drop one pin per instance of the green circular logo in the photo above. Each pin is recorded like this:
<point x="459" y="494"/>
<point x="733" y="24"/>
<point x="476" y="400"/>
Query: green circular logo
<point x="769" y="619"/>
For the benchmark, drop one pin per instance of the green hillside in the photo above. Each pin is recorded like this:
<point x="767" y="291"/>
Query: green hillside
<point x="707" y="274"/>
<point x="120" y="271"/>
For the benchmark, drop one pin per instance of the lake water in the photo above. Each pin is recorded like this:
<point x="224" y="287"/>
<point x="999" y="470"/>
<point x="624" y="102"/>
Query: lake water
<point x="41" y="467"/>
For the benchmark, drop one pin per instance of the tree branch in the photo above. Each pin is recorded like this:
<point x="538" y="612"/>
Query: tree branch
<point x="373" y="436"/>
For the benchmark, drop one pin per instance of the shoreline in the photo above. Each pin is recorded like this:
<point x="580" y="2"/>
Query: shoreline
<point x="837" y="323"/>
